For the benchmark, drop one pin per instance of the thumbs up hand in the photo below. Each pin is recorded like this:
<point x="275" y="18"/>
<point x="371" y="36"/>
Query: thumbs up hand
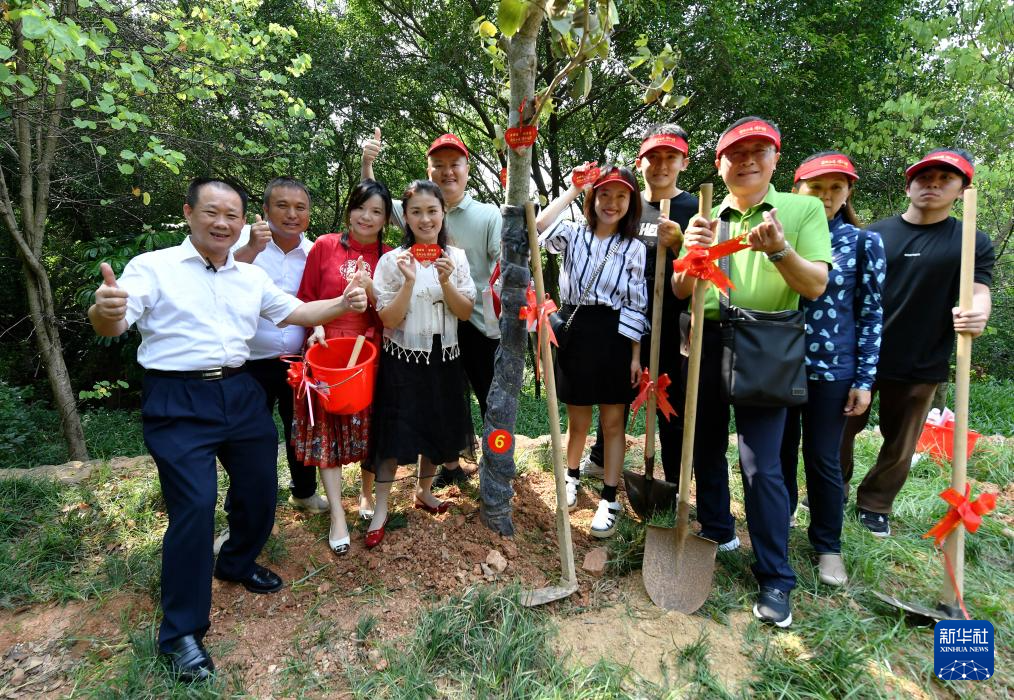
<point x="372" y="147"/>
<point x="260" y="234"/>
<point x="354" y="297"/>
<point x="362" y="277"/>
<point x="110" y="300"/>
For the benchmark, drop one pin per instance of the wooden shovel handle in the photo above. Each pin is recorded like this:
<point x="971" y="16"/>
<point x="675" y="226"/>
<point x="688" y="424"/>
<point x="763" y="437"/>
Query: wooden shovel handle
<point x="954" y="546"/>
<point x="693" y="376"/>
<point x="358" y="348"/>
<point x="656" y="341"/>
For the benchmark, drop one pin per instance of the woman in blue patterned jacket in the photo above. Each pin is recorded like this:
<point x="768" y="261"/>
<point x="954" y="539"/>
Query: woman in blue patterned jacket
<point x="843" y="327"/>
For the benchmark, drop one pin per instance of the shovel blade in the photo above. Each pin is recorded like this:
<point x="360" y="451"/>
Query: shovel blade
<point x="677" y="571"/>
<point x="648" y="496"/>
<point x="924" y="614"/>
<point x="541" y="596"/>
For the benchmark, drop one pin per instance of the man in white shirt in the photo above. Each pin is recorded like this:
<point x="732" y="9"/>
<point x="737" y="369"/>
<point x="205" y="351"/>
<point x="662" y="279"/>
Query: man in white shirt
<point x="475" y="228"/>
<point x="197" y="309"/>
<point x="278" y="245"/>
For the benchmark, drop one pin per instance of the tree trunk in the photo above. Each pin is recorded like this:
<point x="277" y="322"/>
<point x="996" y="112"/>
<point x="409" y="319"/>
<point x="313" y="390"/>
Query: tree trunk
<point x="497" y="471"/>
<point x="47" y="339"/>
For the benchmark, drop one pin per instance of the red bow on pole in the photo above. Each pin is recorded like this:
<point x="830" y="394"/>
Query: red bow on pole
<point x="700" y="262"/>
<point x="661" y="391"/>
<point x="536" y="318"/>
<point x="961" y="511"/>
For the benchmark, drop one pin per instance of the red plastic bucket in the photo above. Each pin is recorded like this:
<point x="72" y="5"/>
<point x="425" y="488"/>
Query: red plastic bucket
<point x="347" y="390"/>
<point x="938" y="441"/>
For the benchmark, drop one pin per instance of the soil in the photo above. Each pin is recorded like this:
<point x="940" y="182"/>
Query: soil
<point x="313" y="620"/>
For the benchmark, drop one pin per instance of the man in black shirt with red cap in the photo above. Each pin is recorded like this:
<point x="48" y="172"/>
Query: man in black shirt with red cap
<point x="923" y="247"/>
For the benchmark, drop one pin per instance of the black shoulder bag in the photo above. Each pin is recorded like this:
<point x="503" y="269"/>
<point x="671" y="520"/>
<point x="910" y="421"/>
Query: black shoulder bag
<point x="763" y="352"/>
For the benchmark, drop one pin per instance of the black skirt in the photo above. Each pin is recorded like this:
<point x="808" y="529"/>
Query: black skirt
<point x="421" y="408"/>
<point x="593" y="366"/>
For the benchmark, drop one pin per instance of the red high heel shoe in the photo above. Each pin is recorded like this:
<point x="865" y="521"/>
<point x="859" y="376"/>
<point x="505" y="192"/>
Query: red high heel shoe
<point x="442" y="508"/>
<point x="375" y="537"/>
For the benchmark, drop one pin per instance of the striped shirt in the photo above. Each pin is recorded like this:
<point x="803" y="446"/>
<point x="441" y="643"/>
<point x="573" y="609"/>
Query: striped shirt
<point x="620" y="286"/>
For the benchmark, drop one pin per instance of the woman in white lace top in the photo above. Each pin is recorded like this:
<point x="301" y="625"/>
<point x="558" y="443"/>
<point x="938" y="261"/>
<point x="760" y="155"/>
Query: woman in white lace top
<point x="421" y="406"/>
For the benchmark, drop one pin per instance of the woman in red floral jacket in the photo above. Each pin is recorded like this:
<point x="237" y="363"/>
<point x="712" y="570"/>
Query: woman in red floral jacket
<point x="333" y="263"/>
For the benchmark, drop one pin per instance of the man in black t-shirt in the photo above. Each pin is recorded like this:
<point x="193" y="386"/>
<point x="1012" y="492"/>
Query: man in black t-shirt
<point x="923" y="248"/>
<point x="663" y="155"/>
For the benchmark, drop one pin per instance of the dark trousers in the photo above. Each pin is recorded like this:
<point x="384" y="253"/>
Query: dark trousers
<point x="759" y="434"/>
<point x="271" y="375"/>
<point x="903" y="409"/>
<point x="822" y="423"/>
<point x="187" y="423"/>
<point x="669" y="431"/>
<point x="477" y="355"/>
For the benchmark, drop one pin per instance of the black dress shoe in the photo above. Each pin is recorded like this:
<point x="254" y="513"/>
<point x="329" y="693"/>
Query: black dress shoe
<point x="189" y="660"/>
<point x="262" y="580"/>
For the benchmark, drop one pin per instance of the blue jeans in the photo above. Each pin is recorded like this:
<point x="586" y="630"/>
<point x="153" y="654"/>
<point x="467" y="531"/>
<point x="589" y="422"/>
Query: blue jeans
<point x="822" y="425"/>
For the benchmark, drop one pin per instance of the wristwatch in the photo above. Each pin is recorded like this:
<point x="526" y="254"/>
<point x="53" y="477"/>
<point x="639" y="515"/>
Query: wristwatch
<point x="781" y="254"/>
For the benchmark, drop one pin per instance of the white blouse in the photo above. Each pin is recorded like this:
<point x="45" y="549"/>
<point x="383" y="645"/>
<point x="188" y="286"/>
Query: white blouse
<point x="427" y="314"/>
<point x="620" y="286"/>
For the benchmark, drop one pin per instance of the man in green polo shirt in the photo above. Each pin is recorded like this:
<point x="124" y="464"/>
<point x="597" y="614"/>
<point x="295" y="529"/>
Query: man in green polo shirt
<point x="789" y="255"/>
<point x="474" y="227"/>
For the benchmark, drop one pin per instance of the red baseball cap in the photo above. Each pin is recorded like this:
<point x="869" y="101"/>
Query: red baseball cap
<point x="612" y="175"/>
<point x="448" y="141"/>
<point x="823" y="165"/>
<point x="664" y="141"/>
<point x="755" y="128"/>
<point x="947" y="158"/>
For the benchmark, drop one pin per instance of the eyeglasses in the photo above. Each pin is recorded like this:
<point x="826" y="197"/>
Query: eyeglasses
<point x="754" y="153"/>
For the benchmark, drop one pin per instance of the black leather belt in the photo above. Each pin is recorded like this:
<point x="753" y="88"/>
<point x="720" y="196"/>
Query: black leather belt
<point x="208" y="375"/>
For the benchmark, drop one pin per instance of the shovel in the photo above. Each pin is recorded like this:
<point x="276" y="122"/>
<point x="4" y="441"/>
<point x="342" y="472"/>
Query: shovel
<point x="568" y="575"/>
<point x="646" y="495"/>
<point x="954" y="546"/>
<point x="679" y="565"/>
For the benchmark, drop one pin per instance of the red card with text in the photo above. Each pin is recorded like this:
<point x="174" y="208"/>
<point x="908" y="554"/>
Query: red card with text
<point x="586" y="174"/>
<point x="521" y="136"/>
<point x="424" y="252"/>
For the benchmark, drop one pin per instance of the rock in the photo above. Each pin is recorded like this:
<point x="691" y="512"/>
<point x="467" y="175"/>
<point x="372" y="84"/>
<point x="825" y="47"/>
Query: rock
<point x="477" y="570"/>
<point x="275" y="530"/>
<point x="595" y="561"/>
<point x="509" y="548"/>
<point x="496" y="561"/>
<point x="19" y="676"/>
<point x="376" y="659"/>
<point x="324" y="588"/>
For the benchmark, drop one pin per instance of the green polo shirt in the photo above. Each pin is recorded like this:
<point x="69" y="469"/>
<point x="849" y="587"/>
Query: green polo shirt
<point x="475" y="228"/>
<point x="758" y="284"/>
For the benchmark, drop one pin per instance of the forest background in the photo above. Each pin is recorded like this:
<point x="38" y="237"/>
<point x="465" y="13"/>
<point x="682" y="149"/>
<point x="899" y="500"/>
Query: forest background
<point x="109" y="108"/>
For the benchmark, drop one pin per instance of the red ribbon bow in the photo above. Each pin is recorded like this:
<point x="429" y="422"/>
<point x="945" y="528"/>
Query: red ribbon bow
<point x="961" y="511"/>
<point x="298" y="377"/>
<point x="701" y="262"/>
<point x="660" y="389"/>
<point x="536" y="318"/>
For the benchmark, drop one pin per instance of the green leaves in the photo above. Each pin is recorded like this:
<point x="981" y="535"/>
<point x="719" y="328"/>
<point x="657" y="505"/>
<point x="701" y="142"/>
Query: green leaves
<point x="510" y="15"/>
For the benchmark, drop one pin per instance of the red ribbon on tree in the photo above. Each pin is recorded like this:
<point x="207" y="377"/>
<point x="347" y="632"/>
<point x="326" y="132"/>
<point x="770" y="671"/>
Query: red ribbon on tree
<point x="536" y="318"/>
<point x="661" y="391"/>
<point x="961" y="511"/>
<point x="701" y="262"/>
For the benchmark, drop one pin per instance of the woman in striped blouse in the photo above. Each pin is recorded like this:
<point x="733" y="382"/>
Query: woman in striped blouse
<point x="603" y="292"/>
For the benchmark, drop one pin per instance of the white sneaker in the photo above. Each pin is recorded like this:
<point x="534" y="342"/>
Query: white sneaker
<point x="311" y="504"/>
<point x="219" y="541"/>
<point x="730" y="546"/>
<point x="604" y="523"/>
<point x="589" y="468"/>
<point x="571" y="484"/>
<point x="831" y="569"/>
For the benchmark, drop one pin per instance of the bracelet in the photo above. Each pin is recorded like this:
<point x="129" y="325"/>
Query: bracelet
<point x="781" y="254"/>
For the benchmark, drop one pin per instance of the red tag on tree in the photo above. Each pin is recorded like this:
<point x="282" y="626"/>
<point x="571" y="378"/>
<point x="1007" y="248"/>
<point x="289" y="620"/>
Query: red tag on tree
<point x="521" y="136"/>
<point x="426" y="252"/>
<point x="586" y="174"/>
<point x="503" y="177"/>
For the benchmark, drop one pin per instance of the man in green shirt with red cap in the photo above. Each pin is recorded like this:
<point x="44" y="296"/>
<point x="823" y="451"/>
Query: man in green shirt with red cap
<point x="789" y="256"/>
